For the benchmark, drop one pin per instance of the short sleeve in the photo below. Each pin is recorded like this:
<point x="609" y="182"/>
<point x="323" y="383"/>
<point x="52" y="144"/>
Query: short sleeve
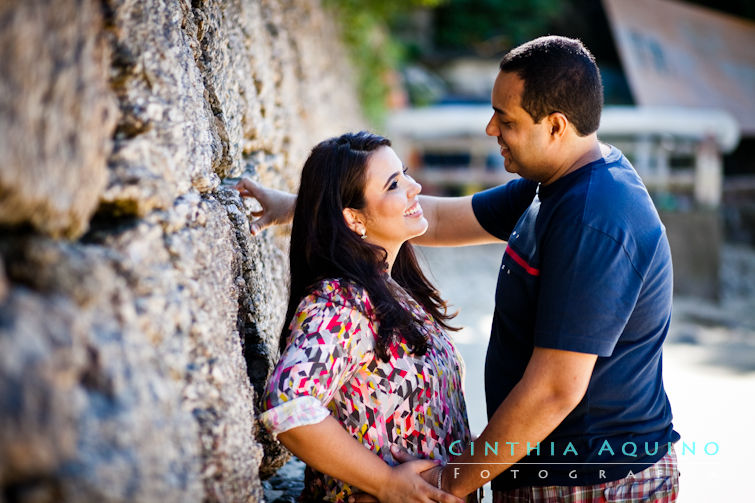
<point x="588" y="290"/>
<point x="328" y="344"/>
<point x="498" y="209"/>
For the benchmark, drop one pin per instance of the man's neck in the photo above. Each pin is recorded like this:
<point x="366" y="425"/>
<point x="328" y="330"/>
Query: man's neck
<point x="585" y="151"/>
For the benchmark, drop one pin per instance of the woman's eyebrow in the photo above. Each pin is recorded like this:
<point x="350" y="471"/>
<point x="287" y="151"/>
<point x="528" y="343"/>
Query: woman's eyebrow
<point x="390" y="179"/>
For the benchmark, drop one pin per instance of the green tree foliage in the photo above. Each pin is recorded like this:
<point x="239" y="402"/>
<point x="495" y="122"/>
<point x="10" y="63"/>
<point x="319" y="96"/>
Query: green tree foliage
<point x="490" y="26"/>
<point x="486" y="27"/>
<point x="374" y="53"/>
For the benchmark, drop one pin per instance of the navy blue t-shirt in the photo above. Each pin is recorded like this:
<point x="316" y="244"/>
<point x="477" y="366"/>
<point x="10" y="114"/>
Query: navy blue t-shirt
<point x="587" y="269"/>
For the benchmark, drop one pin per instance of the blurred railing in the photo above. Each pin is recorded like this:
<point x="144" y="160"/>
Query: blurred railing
<point x="675" y="150"/>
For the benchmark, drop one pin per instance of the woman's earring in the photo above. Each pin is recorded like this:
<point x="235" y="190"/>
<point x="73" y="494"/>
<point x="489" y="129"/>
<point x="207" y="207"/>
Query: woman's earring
<point x="364" y="233"/>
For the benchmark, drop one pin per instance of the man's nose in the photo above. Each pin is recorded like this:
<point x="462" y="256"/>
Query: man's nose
<point x="491" y="129"/>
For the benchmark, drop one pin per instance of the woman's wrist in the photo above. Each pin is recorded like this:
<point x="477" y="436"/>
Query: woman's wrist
<point x="382" y="482"/>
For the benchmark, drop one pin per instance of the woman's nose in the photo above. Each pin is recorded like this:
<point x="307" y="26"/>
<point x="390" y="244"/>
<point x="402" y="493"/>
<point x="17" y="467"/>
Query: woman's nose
<point x="414" y="188"/>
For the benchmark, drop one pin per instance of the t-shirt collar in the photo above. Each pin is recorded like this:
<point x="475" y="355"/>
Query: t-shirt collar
<point x="544" y="191"/>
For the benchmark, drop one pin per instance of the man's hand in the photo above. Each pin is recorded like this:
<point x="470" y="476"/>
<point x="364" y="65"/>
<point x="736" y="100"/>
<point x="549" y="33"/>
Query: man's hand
<point x="277" y="206"/>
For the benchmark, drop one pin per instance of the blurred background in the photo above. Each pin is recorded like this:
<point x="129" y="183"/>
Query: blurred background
<point x="679" y="80"/>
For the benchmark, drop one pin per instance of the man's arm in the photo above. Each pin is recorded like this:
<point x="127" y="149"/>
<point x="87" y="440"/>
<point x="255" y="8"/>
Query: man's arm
<point x="452" y="222"/>
<point x="451" y="219"/>
<point x="554" y="382"/>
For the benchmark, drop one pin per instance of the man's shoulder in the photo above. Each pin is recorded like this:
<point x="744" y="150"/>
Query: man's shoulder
<point x="618" y="205"/>
<point x="609" y="196"/>
<point x="615" y="193"/>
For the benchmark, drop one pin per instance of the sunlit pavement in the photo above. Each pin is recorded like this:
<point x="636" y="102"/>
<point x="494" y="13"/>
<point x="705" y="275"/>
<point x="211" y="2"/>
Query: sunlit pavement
<point x="709" y="372"/>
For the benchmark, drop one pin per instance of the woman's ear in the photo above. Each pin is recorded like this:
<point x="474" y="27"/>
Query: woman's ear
<point x="353" y="220"/>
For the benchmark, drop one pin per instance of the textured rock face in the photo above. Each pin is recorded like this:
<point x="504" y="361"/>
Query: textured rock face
<point x="56" y="114"/>
<point x="130" y="349"/>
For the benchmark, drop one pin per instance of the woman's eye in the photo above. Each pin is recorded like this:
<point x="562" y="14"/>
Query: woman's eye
<point x="393" y="185"/>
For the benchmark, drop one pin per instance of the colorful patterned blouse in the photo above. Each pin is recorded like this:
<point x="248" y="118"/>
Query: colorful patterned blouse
<point x="330" y="367"/>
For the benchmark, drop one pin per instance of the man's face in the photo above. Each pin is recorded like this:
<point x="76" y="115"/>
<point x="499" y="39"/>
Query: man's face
<point x="524" y="143"/>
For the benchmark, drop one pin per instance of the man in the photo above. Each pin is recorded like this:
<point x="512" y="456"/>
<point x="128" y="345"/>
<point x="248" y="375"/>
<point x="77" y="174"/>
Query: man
<point x="576" y="404"/>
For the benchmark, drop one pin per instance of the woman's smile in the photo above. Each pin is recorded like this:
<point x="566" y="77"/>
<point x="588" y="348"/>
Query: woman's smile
<point x="415" y="210"/>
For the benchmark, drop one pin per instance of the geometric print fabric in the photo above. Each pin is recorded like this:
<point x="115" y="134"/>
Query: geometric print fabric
<point x="330" y="367"/>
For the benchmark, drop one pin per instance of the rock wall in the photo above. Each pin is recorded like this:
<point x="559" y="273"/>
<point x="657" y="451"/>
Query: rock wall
<point x="137" y="314"/>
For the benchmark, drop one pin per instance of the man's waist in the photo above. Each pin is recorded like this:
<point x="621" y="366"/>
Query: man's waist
<point x="571" y="473"/>
<point x="529" y="473"/>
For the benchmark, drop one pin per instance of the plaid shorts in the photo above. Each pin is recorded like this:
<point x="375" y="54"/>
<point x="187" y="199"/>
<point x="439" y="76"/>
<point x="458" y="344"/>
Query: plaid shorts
<point x="656" y="484"/>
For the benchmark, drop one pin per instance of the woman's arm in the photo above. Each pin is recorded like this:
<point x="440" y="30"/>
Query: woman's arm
<point x="328" y="448"/>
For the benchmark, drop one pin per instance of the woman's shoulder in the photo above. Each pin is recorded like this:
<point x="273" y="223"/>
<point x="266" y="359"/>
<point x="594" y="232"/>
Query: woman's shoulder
<point x="341" y="292"/>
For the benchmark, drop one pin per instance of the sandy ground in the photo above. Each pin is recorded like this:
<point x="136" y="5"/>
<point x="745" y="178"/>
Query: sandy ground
<point x="709" y="364"/>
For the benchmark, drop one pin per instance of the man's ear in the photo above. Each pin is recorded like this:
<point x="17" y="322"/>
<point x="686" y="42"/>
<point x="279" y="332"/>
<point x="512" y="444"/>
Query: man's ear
<point x="353" y="220"/>
<point x="558" y="124"/>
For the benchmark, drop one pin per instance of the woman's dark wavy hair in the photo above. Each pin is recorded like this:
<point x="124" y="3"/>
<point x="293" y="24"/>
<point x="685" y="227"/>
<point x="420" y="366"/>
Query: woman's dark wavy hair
<point x="323" y="246"/>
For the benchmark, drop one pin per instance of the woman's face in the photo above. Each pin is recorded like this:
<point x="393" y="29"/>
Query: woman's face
<point x="392" y="213"/>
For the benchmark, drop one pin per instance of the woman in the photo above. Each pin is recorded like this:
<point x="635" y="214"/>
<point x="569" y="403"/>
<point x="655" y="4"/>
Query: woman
<point x="366" y="366"/>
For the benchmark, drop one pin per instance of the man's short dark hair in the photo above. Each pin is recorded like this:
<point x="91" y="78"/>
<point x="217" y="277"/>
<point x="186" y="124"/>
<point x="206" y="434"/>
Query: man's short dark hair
<point x="560" y="75"/>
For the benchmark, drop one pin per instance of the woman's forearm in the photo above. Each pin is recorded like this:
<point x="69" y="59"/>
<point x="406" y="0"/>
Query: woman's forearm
<point x="328" y="448"/>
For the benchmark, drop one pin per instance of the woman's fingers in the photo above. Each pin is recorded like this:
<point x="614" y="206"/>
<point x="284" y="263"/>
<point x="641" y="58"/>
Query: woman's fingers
<point x="420" y="492"/>
<point x="277" y="206"/>
<point x="264" y="217"/>
<point x="421" y="465"/>
<point x="401" y="455"/>
<point x="248" y="186"/>
<point x="443" y="497"/>
<point x="414" y="482"/>
<point x="360" y="497"/>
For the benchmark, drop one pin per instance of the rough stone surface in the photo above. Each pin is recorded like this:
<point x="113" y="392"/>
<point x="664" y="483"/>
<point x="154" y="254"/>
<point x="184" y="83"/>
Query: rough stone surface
<point x="56" y="114"/>
<point x="133" y="350"/>
<point x="166" y="139"/>
<point x="287" y="484"/>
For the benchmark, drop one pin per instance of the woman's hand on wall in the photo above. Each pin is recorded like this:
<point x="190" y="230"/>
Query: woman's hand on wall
<point x="277" y="205"/>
